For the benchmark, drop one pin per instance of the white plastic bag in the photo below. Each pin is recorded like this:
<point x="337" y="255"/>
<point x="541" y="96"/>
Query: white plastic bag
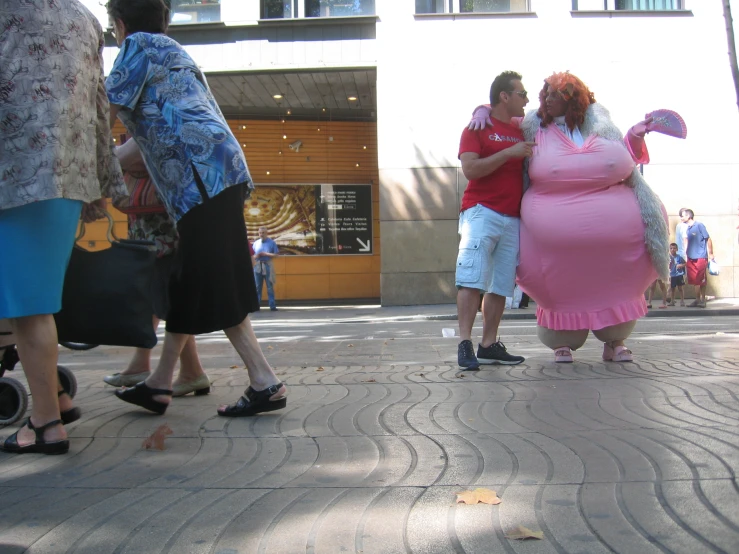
<point x="517" y="294"/>
<point x="713" y="267"/>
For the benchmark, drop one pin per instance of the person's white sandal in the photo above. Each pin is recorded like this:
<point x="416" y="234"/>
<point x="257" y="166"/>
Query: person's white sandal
<point x="617" y="354"/>
<point x="563" y="355"/>
<point x="199" y="386"/>
<point x="125" y="380"/>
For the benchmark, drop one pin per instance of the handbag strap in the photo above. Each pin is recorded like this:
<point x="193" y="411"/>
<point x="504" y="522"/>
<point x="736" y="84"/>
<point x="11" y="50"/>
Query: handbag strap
<point x="111" y="236"/>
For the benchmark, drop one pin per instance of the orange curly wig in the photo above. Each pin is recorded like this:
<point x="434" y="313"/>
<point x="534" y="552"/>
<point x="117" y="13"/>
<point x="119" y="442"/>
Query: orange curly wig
<point x="573" y="91"/>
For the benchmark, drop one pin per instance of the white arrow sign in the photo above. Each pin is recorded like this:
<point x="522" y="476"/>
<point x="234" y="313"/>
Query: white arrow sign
<point x="365" y="247"/>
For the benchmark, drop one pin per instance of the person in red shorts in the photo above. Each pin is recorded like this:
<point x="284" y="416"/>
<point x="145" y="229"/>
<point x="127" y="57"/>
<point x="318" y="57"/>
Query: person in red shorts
<point x="698" y="250"/>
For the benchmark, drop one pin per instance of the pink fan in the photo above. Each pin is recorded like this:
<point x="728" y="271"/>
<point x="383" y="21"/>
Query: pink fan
<point x="667" y="122"/>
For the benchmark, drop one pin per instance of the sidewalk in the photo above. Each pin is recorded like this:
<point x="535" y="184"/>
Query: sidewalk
<point x="380" y="433"/>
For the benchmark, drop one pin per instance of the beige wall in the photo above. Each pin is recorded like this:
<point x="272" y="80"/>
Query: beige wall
<point x="633" y="64"/>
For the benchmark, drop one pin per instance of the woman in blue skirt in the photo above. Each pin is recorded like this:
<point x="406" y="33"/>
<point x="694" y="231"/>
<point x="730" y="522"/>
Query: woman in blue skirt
<point x="54" y="156"/>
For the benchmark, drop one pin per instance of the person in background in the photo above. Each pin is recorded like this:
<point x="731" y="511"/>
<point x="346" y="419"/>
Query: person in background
<point x="265" y="251"/>
<point x="162" y="97"/>
<point x="698" y="250"/>
<point x="54" y="158"/>
<point x="681" y="230"/>
<point x="677" y="275"/>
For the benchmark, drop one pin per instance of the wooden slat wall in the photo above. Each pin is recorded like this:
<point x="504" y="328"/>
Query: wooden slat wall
<point x="333" y="152"/>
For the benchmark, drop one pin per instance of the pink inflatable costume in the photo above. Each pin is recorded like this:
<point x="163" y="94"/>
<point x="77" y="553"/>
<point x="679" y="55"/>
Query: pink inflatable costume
<point x="583" y="253"/>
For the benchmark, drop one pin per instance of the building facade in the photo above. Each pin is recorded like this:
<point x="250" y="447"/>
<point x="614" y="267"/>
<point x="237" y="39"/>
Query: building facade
<point x="411" y="71"/>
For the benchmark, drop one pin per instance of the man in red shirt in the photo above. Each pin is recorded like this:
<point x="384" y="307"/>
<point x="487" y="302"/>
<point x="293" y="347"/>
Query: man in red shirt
<point x="492" y="159"/>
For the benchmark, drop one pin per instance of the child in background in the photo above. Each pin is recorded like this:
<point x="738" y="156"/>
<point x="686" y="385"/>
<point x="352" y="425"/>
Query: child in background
<point x="677" y="275"/>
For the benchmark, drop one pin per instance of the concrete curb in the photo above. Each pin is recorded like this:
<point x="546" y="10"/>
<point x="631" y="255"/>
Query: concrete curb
<point x="531" y="314"/>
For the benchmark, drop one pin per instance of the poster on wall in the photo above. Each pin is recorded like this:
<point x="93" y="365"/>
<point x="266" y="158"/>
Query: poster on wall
<point x="313" y="219"/>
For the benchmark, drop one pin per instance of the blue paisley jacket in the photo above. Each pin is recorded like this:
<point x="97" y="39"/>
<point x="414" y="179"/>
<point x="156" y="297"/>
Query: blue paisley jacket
<point x="169" y="111"/>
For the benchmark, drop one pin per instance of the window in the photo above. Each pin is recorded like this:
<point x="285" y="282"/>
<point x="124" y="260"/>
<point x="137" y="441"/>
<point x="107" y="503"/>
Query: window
<point x="430" y="6"/>
<point x="647" y="5"/>
<point x="338" y="8"/>
<point x="195" y="11"/>
<point x="277" y="9"/>
<point x="471" y="6"/>
<point x="630" y="5"/>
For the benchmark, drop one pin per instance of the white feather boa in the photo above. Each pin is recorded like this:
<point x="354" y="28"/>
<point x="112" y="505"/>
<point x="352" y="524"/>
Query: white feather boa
<point x="656" y="236"/>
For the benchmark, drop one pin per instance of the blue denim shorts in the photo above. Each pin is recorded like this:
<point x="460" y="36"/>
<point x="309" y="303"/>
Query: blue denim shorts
<point x="488" y="251"/>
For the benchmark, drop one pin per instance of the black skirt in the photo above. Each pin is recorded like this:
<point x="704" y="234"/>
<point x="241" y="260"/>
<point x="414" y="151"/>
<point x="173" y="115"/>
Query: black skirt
<point x="160" y="285"/>
<point x="212" y="286"/>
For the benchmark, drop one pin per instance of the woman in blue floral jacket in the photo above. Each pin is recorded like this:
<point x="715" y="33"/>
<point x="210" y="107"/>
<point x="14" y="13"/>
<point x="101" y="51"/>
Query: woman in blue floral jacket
<point x="162" y="97"/>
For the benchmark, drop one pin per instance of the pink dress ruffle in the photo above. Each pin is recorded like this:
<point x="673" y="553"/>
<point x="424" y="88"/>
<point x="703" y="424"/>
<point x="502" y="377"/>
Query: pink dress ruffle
<point x="613" y="315"/>
<point x="583" y="256"/>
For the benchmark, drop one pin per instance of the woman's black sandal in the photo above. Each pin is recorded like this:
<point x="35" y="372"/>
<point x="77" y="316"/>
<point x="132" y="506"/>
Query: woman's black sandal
<point x="38" y="447"/>
<point x="72" y="414"/>
<point x="254" y="402"/>
<point x="143" y="395"/>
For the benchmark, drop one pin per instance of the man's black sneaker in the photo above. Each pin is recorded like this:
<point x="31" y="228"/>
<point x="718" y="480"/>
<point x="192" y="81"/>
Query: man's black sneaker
<point x="495" y="354"/>
<point x="466" y="356"/>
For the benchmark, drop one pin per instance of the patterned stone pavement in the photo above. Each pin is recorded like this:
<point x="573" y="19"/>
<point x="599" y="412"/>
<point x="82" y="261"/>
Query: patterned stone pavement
<point x="378" y="436"/>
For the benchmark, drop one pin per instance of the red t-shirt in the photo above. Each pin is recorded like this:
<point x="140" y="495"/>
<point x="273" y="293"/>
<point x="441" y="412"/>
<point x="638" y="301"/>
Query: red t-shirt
<point x="502" y="189"/>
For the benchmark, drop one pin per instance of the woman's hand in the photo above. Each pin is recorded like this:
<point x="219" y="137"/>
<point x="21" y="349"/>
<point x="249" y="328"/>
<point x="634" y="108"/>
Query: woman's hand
<point x="641" y="128"/>
<point x="93" y="211"/>
<point x="480" y="118"/>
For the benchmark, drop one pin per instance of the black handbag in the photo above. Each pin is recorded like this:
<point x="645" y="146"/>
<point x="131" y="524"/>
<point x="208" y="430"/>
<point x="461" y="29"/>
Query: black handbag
<point x="107" y="295"/>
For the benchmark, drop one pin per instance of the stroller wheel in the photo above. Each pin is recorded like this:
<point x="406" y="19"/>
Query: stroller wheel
<point x="67" y="380"/>
<point x="13" y="401"/>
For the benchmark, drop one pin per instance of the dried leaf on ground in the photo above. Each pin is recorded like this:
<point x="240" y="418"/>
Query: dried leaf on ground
<point x="270" y="348"/>
<point x="320" y="369"/>
<point x="521" y="533"/>
<point x="484" y="496"/>
<point x="370" y="380"/>
<point x="233" y="367"/>
<point x="460" y="375"/>
<point x="156" y="439"/>
<point x="350" y="346"/>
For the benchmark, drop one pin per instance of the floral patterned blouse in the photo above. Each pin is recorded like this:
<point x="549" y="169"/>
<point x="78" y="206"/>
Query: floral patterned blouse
<point x="168" y="109"/>
<point x="157" y="228"/>
<point x="54" y="113"/>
